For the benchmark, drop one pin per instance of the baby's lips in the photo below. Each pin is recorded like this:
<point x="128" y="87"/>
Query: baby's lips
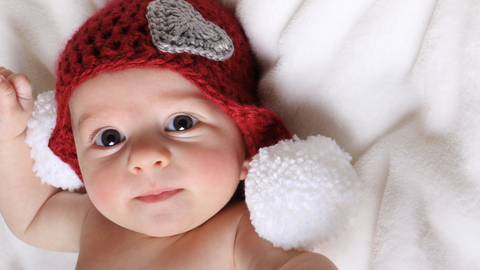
<point x="158" y="195"/>
<point x="157" y="191"/>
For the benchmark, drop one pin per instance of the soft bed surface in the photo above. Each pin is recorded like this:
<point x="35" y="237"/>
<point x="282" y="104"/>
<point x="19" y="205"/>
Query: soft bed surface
<point x="395" y="83"/>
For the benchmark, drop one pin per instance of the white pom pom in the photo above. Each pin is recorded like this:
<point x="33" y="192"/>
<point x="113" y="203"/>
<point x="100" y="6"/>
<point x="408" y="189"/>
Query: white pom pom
<point x="301" y="193"/>
<point x="50" y="168"/>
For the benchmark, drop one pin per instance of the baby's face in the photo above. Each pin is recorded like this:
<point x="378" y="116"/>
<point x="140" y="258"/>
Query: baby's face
<point x="156" y="156"/>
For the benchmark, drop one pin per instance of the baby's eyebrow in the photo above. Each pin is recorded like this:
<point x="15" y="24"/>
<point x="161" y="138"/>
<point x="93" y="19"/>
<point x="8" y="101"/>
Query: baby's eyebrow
<point x="85" y="117"/>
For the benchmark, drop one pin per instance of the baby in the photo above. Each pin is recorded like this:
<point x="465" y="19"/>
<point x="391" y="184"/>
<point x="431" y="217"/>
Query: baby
<point x="157" y="115"/>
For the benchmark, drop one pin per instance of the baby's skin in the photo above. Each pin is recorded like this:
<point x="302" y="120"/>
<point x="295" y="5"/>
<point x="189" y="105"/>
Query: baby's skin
<point x="159" y="161"/>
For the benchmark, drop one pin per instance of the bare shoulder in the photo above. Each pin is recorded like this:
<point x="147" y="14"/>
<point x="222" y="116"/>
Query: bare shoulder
<point x="253" y="252"/>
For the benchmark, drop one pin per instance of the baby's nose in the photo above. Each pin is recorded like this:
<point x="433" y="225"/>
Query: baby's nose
<point x="147" y="155"/>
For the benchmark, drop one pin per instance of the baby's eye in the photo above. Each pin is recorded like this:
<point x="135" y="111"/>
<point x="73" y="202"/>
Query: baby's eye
<point x="181" y="122"/>
<point x="109" y="137"/>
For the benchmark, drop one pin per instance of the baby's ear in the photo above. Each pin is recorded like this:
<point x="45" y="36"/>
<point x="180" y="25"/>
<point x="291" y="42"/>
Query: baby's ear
<point x="245" y="168"/>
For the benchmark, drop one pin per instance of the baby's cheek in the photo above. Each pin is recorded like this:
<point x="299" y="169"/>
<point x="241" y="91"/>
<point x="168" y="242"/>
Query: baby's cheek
<point x="101" y="191"/>
<point x="217" y="170"/>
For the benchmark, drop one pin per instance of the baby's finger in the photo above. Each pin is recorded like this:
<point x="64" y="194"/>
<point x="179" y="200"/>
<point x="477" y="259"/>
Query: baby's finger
<point x="23" y="87"/>
<point x="5" y="72"/>
<point x="8" y="96"/>
<point x="2" y="68"/>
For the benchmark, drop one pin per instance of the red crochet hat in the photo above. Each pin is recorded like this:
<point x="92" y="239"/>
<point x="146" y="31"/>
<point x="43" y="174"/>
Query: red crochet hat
<point x="199" y="39"/>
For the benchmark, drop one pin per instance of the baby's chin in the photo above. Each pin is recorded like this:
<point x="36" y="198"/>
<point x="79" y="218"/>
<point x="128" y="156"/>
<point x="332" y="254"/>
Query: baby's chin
<point x="165" y="233"/>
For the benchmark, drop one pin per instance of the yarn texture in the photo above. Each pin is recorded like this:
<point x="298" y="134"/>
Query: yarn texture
<point x="48" y="166"/>
<point x="177" y="27"/>
<point x="301" y="193"/>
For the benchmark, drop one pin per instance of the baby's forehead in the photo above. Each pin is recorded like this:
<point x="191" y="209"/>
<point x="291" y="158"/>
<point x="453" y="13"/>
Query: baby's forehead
<point x="133" y="87"/>
<point x="159" y="83"/>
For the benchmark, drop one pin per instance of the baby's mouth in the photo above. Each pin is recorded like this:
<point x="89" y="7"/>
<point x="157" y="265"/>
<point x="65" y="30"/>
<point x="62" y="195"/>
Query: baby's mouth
<point x="158" y="195"/>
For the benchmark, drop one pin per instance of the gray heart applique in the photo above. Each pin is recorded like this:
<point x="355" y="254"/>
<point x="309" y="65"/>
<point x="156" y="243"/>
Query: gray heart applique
<point x="176" y="27"/>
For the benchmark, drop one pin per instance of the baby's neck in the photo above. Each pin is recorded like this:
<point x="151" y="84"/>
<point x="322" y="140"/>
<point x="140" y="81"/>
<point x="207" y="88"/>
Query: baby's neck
<point x="111" y="242"/>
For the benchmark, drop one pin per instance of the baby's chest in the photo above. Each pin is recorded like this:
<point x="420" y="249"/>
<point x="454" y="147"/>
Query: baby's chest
<point x="209" y="257"/>
<point x="112" y="247"/>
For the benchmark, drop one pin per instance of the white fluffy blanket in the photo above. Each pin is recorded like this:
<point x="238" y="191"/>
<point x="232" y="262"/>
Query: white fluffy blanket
<point x="396" y="83"/>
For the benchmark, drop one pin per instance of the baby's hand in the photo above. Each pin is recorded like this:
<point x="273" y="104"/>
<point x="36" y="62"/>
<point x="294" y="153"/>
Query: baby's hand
<point x="16" y="103"/>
